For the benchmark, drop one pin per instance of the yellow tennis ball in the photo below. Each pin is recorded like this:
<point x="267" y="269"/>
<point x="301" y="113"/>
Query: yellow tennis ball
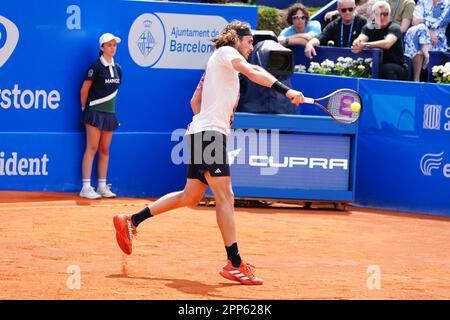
<point x="355" y="106"/>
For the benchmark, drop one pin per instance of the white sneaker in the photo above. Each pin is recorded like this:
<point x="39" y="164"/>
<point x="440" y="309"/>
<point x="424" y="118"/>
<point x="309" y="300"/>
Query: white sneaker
<point x="89" y="193"/>
<point x="105" y="192"/>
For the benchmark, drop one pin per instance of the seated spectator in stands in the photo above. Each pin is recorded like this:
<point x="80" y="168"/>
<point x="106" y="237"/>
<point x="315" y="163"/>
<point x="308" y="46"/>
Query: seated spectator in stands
<point x="402" y="11"/>
<point x="363" y="8"/>
<point x="430" y="21"/>
<point x="340" y="32"/>
<point x="381" y="32"/>
<point x="301" y="29"/>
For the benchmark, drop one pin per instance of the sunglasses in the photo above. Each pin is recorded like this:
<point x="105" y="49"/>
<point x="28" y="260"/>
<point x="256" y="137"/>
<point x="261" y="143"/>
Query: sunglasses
<point x="344" y="10"/>
<point x="298" y="17"/>
<point x="384" y="14"/>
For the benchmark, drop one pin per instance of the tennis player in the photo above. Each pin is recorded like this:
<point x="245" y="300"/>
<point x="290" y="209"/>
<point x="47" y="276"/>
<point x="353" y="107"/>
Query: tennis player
<point x="213" y="105"/>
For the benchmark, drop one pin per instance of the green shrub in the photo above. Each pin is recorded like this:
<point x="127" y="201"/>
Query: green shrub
<point x="270" y="19"/>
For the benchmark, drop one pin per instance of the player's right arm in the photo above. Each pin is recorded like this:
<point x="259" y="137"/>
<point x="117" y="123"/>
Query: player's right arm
<point x="260" y="76"/>
<point x="84" y="93"/>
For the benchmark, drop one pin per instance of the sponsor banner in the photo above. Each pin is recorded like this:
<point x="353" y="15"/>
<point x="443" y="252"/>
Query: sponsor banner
<point x="52" y="162"/>
<point x="9" y="36"/>
<point x="47" y="46"/>
<point x="289" y="160"/>
<point x="174" y="41"/>
<point x="403" y="147"/>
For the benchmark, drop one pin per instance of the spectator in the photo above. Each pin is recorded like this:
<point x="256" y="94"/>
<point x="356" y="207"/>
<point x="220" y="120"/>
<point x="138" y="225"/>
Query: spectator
<point x="301" y="29"/>
<point x="428" y="33"/>
<point x="382" y="33"/>
<point x="98" y="98"/>
<point x="342" y="31"/>
<point x="363" y="8"/>
<point x="402" y="12"/>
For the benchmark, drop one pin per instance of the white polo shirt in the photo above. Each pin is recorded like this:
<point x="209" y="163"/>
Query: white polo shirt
<point x="220" y="93"/>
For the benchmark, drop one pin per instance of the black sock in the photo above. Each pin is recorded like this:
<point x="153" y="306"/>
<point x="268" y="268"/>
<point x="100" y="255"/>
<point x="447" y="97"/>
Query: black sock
<point x="233" y="255"/>
<point x="142" y="215"/>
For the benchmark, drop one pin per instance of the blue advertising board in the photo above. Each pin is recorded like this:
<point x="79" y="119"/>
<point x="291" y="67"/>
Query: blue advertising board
<point x="50" y="44"/>
<point x="290" y="161"/>
<point x="46" y="48"/>
<point x="403" y="147"/>
<point x="292" y="157"/>
<point x="403" y="150"/>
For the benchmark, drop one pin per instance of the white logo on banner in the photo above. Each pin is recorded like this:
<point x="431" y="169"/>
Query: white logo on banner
<point x="147" y="40"/>
<point x="232" y="155"/>
<point x="17" y="166"/>
<point x="9" y="36"/>
<point x="429" y="162"/>
<point x="432" y="116"/>
<point x="173" y="41"/>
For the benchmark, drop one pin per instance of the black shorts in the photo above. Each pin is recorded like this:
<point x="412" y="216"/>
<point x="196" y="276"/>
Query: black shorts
<point x="208" y="152"/>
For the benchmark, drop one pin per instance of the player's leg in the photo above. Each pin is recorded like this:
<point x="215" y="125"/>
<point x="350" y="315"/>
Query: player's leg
<point x="190" y="196"/>
<point x="224" y="198"/>
<point x="235" y="269"/>
<point x="92" y="141"/>
<point x="102" y="164"/>
<point x="125" y="225"/>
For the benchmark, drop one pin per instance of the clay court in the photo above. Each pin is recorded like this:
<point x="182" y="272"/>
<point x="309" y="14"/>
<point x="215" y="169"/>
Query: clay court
<point x="300" y="254"/>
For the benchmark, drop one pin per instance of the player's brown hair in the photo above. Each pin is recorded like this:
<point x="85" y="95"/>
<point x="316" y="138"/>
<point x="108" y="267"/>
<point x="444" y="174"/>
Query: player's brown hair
<point x="229" y="35"/>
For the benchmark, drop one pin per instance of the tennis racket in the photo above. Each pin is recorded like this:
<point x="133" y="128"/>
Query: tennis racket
<point x="338" y="105"/>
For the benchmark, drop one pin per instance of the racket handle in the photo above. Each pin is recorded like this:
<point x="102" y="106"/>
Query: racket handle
<point x="308" y="100"/>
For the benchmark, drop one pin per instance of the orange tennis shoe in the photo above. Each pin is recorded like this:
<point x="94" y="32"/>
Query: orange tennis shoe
<point x="245" y="274"/>
<point x="125" y="232"/>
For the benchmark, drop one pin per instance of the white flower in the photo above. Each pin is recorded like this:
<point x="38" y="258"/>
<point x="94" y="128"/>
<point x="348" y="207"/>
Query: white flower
<point x="348" y="60"/>
<point x="341" y="59"/>
<point x="313" y="67"/>
<point x="300" y="68"/>
<point x="368" y="60"/>
<point x="360" y="67"/>
<point x="327" y="63"/>
<point x="446" y="67"/>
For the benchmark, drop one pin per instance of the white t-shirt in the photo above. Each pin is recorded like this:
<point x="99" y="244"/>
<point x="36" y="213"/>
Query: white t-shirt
<point x="220" y="93"/>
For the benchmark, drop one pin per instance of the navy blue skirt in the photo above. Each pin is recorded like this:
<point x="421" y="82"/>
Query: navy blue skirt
<point x="106" y="121"/>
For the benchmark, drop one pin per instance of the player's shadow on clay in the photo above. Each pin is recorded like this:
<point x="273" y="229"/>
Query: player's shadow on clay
<point x="183" y="285"/>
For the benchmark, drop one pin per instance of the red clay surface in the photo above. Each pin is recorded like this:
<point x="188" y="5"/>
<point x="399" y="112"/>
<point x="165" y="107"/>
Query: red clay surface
<point x="300" y="254"/>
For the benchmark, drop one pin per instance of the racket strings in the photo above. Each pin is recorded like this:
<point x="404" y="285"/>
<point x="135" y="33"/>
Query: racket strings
<point x="339" y="106"/>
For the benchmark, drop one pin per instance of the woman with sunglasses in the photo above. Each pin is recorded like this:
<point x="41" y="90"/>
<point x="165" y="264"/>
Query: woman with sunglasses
<point x="301" y="29"/>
